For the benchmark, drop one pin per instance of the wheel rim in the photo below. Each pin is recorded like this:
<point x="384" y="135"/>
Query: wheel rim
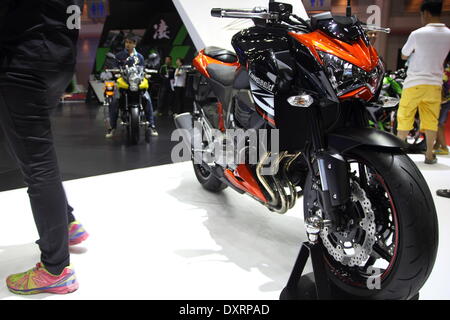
<point x="202" y="171"/>
<point x="384" y="252"/>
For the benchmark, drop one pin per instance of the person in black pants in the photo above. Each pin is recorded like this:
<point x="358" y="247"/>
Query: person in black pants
<point x="165" y="96"/>
<point x="37" y="61"/>
<point x="179" y="86"/>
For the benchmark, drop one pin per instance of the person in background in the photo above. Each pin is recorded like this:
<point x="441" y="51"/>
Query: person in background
<point x="129" y="56"/>
<point x="179" y="86"/>
<point x="427" y="49"/>
<point x="37" y="62"/>
<point x="440" y="148"/>
<point x="165" y="96"/>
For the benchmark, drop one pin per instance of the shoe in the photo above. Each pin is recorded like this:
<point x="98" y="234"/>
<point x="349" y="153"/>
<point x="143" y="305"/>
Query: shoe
<point x="110" y="133"/>
<point x="77" y="234"/>
<point x="441" y="151"/>
<point x="39" y="280"/>
<point x="443" y="193"/>
<point x="153" y="132"/>
<point x="431" y="161"/>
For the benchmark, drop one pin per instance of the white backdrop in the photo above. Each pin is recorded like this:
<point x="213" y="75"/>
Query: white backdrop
<point x="209" y="31"/>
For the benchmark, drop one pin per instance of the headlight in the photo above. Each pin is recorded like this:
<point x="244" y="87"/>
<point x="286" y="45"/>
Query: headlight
<point x="346" y="77"/>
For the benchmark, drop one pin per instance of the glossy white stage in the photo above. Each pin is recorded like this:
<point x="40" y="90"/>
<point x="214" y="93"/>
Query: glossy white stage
<point x="156" y="234"/>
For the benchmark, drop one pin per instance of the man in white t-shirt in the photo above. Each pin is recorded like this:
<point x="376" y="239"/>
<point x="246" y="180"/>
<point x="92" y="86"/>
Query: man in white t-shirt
<point x="427" y="49"/>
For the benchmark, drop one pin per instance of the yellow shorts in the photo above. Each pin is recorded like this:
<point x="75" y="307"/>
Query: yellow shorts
<point x="426" y="98"/>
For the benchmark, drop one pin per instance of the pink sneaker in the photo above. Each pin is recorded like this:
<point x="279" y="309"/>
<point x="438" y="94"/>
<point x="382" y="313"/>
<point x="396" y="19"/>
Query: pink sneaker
<point x="39" y="280"/>
<point x="77" y="234"/>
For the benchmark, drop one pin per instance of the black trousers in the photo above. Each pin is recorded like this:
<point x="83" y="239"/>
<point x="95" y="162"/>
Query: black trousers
<point x="179" y="99"/>
<point x="165" y="98"/>
<point x="26" y="99"/>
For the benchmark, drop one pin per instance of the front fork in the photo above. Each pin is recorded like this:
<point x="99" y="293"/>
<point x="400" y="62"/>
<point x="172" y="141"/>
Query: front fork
<point x="133" y="102"/>
<point x="333" y="182"/>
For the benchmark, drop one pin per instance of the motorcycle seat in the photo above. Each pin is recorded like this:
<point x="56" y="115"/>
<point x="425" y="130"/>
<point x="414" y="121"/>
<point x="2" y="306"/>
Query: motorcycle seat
<point x="222" y="73"/>
<point x="220" y="54"/>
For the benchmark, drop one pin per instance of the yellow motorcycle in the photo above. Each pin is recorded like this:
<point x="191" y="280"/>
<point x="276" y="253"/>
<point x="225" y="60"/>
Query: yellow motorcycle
<point x="132" y="82"/>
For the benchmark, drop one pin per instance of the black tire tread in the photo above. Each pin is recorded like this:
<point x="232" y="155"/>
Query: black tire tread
<point x="211" y="183"/>
<point x="418" y="226"/>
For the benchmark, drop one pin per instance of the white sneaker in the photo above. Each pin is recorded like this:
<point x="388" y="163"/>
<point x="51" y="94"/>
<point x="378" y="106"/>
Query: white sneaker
<point x="110" y="133"/>
<point x="153" y="132"/>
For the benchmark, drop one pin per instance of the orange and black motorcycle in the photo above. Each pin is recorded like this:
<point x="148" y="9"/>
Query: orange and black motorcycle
<point x="365" y="201"/>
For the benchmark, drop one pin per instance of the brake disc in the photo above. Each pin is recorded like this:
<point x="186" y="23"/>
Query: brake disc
<point x="353" y="247"/>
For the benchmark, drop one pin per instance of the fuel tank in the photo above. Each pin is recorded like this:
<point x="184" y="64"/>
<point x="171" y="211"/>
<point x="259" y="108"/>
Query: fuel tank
<point x="265" y="53"/>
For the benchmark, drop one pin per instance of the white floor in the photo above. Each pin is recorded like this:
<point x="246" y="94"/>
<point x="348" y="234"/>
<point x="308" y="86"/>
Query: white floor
<point x="156" y="234"/>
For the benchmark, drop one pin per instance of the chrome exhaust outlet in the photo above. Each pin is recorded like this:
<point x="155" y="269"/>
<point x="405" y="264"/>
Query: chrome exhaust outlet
<point x="280" y="201"/>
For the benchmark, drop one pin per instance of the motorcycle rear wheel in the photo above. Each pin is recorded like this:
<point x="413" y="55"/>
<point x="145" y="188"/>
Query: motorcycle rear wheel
<point x="401" y="199"/>
<point x="207" y="179"/>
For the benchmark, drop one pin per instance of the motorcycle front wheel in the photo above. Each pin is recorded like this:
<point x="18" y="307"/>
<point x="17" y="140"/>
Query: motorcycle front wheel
<point x="388" y="248"/>
<point x="133" y="126"/>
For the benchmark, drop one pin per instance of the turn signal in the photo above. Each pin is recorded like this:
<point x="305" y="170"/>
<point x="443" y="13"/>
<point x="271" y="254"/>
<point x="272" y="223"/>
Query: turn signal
<point x="301" y="101"/>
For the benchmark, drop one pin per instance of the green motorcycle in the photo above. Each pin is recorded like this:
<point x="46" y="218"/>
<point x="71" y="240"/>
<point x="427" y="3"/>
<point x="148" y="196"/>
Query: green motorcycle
<point x="383" y="116"/>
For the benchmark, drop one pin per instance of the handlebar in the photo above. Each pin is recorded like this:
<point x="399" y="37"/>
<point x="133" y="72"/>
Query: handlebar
<point x="257" y="13"/>
<point x="374" y="28"/>
<point x="150" y="71"/>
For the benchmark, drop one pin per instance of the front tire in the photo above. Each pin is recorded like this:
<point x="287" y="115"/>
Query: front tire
<point x="409" y="211"/>
<point x="133" y="126"/>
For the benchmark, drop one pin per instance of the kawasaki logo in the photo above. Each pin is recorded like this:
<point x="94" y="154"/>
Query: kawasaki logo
<point x="263" y="84"/>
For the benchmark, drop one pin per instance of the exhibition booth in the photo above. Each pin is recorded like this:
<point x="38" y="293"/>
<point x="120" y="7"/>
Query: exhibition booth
<point x="278" y="172"/>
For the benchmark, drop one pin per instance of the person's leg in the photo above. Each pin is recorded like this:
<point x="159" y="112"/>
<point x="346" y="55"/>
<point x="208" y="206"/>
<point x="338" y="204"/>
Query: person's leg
<point x="441" y="142"/>
<point x="70" y="216"/>
<point x="429" y="108"/>
<point x="182" y="94"/>
<point x="25" y="102"/>
<point x="170" y="100"/>
<point x="431" y="139"/>
<point x="179" y="100"/>
<point x="407" y="111"/>
<point x="162" y="99"/>
<point x="114" y="113"/>
<point x="149" y="109"/>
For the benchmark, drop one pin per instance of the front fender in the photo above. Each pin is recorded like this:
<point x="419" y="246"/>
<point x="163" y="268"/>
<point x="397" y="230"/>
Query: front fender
<point x="346" y="139"/>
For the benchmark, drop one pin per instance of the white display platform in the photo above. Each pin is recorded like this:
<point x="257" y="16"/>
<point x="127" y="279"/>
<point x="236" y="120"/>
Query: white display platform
<point x="205" y="30"/>
<point x="156" y="234"/>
